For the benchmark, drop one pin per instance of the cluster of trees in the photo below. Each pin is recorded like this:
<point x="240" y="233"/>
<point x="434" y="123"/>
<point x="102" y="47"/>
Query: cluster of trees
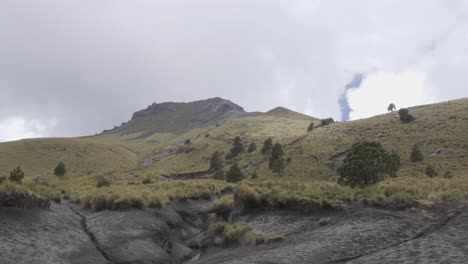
<point x="323" y="122"/>
<point x="17" y="174"/>
<point x="277" y="162"/>
<point x="368" y="163"/>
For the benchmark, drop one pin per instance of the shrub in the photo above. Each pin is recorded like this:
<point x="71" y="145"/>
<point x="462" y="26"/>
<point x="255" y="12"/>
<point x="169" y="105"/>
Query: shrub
<point x="16" y="175"/>
<point x="60" y="170"/>
<point x="234" y="174"/>
<point x="311" y="127"/>
<point x="188" y="142"/>
<point x="207" y="135"/>
<point x="405" y="117"/>
<point x="219" y="175"/>
<point x="216" y="163"/>
<point x="391" y="108"/>
<point x="102" y="182"/>
<point x="2" y="179"/>
<point x="288" y="160"/>
<point x="237" y="147"/>
<point x="228" y="156"/>
<point x="416" y="154"/>
<point x="252" y="147"/>
<point x="326" y="121"/>
<point x="267" y="146"/>
<point x="147" y="180"/>
<point x="367" y="163"/>
<point x="431" y="171"/>
<point x="277" y="163"/>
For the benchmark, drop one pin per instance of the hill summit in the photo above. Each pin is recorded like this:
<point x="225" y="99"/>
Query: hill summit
<point x="179" y="117"/>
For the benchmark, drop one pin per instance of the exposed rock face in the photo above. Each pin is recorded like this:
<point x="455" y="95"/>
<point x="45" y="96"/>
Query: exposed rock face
<point x="65" y="234"/>
<point x="52" y="236"/>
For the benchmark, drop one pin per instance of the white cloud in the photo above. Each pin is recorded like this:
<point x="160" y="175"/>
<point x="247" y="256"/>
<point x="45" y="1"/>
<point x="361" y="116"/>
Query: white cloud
<point x="18" y="128"/>
<point x="379" y="89"/>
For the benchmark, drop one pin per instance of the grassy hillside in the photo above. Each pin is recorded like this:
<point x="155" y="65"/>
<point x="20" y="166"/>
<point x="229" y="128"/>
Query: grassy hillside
<point x="126" y="159"/>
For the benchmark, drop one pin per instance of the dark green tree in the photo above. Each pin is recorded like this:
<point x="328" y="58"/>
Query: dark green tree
<point x="326" y="121"/>
<point x="431" y="171"/>
<point x="16" y="175"/>
<point x="188" y="142"/>
<point x="234" y="174"/>
<point x="416" y="154"/>
<point x="311" y="127"/>
<point x="216" y="163"/>
<point x="252" y="147"/>
<point x="278" y="166"/>
<point x="391" y="107"/>
<point x="405" y="116"/>
<point x="277" y="163"/>
<point x="267" y="146"/>
<point x="237" y="147"/>
<point x="367" y="163"/>
<point x="60" y="170"/>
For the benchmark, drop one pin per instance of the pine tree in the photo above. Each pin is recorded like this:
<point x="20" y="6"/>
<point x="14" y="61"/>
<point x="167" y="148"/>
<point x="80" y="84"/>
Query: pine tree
<point x="416" y="154"/>
<point x="252" y="147"/>
<point x="267" y="146"/>
<point x="16" y="175"/>
<point x="234" y="174"/>
<point x="277" y="163"/>
<point x="216" y="163"/>
<point x="237" y="147"/>
<point x="60" y="170"/>
<point x="311" y="127"/>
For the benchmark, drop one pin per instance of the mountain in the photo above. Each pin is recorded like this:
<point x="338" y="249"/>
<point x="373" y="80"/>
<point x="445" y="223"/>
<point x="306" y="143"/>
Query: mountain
<point x="148" y="179"/>
<point x="179" y="117"/>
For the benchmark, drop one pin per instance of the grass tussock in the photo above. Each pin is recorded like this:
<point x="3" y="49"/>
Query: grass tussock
<point x="307" y="196"/>
<point x="156" y="195"/>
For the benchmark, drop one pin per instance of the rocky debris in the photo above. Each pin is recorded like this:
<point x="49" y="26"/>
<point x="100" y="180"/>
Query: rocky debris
<point x="439" y="151"/>
<point x="147" y="161"/>
<point x="22" y="200"/>
<point x="337" y="160"/>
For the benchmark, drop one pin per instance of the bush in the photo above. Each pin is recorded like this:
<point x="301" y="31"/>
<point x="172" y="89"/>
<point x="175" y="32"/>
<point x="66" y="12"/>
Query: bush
<point x="277" y="163"/>
<point x="367" y="163"/>
<point x="431" y="171"/>
<point x="267" y="146"/>
<point x="228" y="156"/>
<point x="16" y="175"/>
<point x="234" y="174"/>
<point x="416" y="154"/>
<point x="311" y="127"/>
<point x="147" y="180"/>
<point x="326" y="121"/>
<point x="2" y="179"/>
<point x="102" y="182"/>
<point x="252" y="147"/>
<point x="405" y="117"/>
<point x="219" y="175"/>
<point x="188" y="142"/>
<point x="391" y="107"/>
<point x="60" y="170"/>
<point x="216" y="163"/>
<point x="237" y="147"/>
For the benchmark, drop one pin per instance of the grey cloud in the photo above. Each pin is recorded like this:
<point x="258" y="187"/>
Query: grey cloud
<point x="90" y="64"/>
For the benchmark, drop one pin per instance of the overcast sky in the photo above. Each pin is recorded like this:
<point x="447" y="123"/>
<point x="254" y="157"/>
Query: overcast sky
<point x="70" y="68"/>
